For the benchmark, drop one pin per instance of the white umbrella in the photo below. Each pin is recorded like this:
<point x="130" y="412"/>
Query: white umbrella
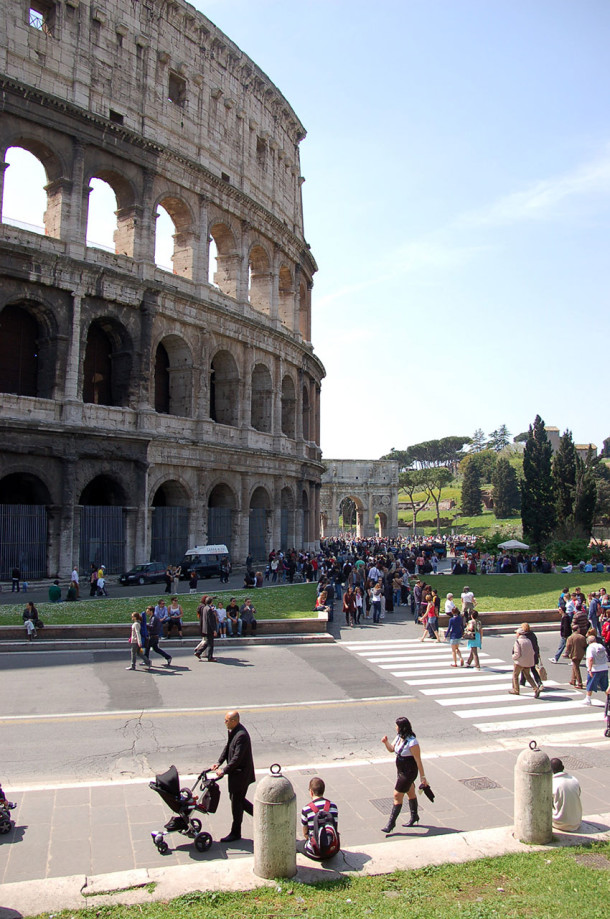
<point x="512" y="544"/>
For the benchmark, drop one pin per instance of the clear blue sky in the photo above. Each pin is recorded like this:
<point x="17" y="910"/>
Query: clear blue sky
<point x="457" y="201"/>
<point x="458" y="204"/>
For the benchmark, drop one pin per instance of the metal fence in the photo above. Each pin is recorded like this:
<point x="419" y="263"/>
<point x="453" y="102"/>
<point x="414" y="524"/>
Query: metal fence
<point x="23" y="540"/>
<point x="102" y="538"/>
<point x="220" y="526"/>
<point x="170" y="531"/>
<point x="258" y="533"/>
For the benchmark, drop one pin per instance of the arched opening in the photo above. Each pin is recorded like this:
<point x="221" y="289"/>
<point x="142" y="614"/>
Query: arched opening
<point x="221" y="513"/>
<point x="304" y="317"/>
<point x="174" y="237"/>
<point x="259" y="280"/>
<point x="287" y="534"/>
<point x="102" y="538"/>
<point x="212" y="261"/>
<point x="170" y="523"/>
<point x="350" y="516"/>
<point x="18" y="351"/>
<point x="259" y="537"/>
<point x="381" y="524"/>
<point x="225" y="276"/>
<point x="260" y="411"/>
<point x="305" y="512"/>
<point x="24" y="499"/>
<point x="289" y="402"/>
<point x="305" y="412"/>
<point x="25" y="171"/>
<point x="286" y="298"/>
<point x="224" y="389"/>
<point x="173" y="377"/>
<point x="111" y="214"/>
<point x="162" y="380"/>
<point x="107" y="364"/>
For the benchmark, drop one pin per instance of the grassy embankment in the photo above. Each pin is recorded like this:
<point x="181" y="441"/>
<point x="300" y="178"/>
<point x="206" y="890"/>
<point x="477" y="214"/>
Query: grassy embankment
<point x="286" y="602"/>
<point x="556" y="884"/>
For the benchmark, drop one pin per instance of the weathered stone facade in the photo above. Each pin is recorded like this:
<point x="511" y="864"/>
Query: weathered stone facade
<point x="372" y="485"/>
<point x="142" y="411"/>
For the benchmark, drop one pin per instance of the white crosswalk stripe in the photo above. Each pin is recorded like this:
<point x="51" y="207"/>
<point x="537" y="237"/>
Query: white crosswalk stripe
<point x="478" y="696"/>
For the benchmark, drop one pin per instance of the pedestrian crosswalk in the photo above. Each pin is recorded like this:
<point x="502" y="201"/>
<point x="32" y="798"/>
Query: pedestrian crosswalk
<point x="479" y="697"/>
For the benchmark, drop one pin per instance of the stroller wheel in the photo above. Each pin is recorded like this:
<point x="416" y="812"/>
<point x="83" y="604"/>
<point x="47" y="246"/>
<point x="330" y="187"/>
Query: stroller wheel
<point x="203" y="841"/>
<point x="5" y="827"/>
<point x="196" y="825"/>
<point x="162" y="847"/>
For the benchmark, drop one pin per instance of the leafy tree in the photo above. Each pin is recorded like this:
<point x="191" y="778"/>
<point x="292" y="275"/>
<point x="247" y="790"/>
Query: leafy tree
<point x="478" y="441"/>
<point x="402" y="457"/>
<point x="585" y="496"/>
<point x="411" y="481"/>
<point x="521" y="438"/>
<point x="606" y="447"/>
<point x="507" y="495"/>
<point x="602" y="505"/>
<point x="564" y="466"/>
<point x="472" y="503"/>
<point x="485" y="461"/>
<point x="434" y="481"/>
<point x="537" y="500"/>
<point x="499" y="438"/>
<point x="444" y="452"/>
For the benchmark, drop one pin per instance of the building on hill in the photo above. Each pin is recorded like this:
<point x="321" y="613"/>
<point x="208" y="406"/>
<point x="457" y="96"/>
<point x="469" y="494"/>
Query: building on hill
<point x="146" y="408"/>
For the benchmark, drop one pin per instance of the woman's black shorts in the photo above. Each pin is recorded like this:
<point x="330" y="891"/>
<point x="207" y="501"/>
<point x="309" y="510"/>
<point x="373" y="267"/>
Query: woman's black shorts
<point x="406" y="773"/>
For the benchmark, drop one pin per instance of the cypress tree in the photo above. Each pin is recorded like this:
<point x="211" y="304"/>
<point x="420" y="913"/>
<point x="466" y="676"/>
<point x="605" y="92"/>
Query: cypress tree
<point x="472" y="503"/>
<point x="585" y="496"/>
<point x="537" y="500"/>
<point x="564" y="482"/>
<point x="507" y="496"/>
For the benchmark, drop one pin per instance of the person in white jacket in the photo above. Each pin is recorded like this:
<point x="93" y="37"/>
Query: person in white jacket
<point x="523" y="660"/>
<point x="567" y="805"/>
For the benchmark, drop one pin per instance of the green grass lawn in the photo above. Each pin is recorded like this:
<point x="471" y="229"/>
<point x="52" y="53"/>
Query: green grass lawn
<point x="495" y="592"/>
<point x="290" y="602"/>
<point x="556" y="884"/>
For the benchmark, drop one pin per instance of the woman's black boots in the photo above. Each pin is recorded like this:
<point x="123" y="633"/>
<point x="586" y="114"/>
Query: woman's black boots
<point x="396" y="809"/>
<point x="414" y="818"/>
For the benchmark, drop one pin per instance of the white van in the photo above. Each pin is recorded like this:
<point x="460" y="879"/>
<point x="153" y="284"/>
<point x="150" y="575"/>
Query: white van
<point x="205" y="560"/>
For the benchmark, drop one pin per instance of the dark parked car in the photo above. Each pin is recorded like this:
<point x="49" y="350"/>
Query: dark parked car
<point x="150" y="573"/>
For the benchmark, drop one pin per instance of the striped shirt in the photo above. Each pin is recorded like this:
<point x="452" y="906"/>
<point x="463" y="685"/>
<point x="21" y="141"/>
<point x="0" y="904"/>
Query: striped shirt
<point x="307" y="814"/>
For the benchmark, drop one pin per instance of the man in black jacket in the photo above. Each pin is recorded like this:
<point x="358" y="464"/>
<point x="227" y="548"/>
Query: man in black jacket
<point x="239" y="767"/>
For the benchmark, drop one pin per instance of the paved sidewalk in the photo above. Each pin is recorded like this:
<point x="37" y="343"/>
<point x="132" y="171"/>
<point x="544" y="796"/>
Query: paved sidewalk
<point x="163" y="883"/>
<point x="96" y="829"/>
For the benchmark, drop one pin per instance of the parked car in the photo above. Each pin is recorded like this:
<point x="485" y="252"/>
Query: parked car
<point x="150" y="573"/>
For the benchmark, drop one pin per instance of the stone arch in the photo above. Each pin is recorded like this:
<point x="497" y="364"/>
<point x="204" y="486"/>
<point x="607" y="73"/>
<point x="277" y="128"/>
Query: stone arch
<point x="173" y="377"/>
<point x="286" y="297"/>
<point x="228" y="262"/>
<point x="224" y="388"/>
<point x="102" y="533"/>
<point x="306" y="412"/>
<point x="222" y="517"/>
<point x="107" y="364"/>
<point x="24" y="500"/>
<point x="50" y="193"/>
<point x="382" y="520"/>
<point x="169" y="521"/>
<point x="259" y="279"/>
<point x="184" y="237"/>
<point x="289" y="402"/>
<point x="304" y="317"/>
<point x="259" y="535"/>
<point x="125" y="214"/>
<point x="261" y="399"/>
<point x="351" y="509"/>
<point x="287" y="518"/>
<point x="28" y="347"/>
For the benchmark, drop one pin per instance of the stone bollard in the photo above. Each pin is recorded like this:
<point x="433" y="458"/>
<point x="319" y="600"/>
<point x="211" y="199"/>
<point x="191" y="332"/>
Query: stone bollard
<point x="533" y="796"/>
<point x="275" y="824"/>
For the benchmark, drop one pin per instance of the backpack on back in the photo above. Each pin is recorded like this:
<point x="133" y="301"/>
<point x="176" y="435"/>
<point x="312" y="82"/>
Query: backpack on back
<point x="324" y="841"/>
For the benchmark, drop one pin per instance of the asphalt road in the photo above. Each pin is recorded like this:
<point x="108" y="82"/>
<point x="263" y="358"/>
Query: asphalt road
<point x="80" y="715"/>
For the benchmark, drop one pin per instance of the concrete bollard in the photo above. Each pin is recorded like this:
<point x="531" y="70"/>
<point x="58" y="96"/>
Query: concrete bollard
<point x="275" y="824"/>
<point x="533" y="796"/>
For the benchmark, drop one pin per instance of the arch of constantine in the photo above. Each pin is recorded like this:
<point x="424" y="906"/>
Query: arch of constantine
<point x="369" y="488"/>
<point x="144" y="409"/>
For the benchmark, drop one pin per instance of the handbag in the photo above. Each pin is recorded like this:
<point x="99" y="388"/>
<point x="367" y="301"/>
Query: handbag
<point x="542" y="673"/>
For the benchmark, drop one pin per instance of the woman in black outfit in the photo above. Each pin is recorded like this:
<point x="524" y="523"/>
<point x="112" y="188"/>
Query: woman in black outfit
<point x="408" y="765"/>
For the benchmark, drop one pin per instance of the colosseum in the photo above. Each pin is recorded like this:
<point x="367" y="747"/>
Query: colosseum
<point x="146" y="408"/>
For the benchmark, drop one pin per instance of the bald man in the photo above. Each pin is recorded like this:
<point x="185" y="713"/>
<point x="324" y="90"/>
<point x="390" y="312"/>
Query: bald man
<point x="239" y="768"/>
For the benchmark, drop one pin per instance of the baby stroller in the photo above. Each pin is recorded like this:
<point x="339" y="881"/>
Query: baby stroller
<point x="6" y="823"/>
<point x="184" y="803"/>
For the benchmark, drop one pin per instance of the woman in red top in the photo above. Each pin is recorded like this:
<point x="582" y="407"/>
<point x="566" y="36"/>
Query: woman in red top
<point x="349" y="606"/>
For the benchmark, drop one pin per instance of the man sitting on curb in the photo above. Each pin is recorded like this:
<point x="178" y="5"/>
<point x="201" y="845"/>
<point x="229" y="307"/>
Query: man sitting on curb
<point x="320" y="822"/>
<point x="567" y="806"/>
